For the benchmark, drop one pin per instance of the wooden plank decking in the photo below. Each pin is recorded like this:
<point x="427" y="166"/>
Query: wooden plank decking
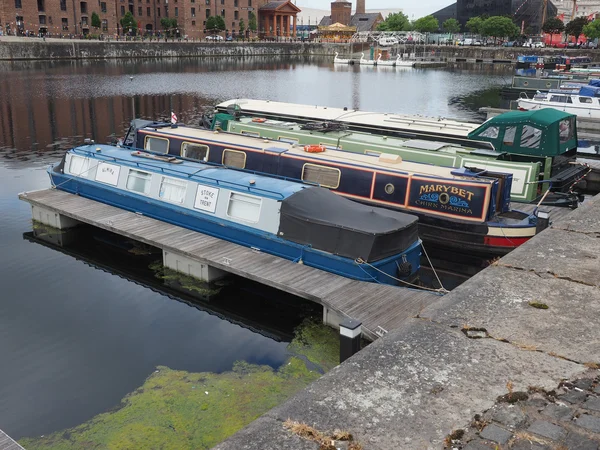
<point x="377" y="306"/>
<point x="7" y="443"/>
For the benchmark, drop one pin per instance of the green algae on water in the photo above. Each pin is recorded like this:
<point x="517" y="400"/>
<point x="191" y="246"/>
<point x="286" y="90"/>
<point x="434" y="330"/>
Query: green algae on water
<point x="181" y="410"/>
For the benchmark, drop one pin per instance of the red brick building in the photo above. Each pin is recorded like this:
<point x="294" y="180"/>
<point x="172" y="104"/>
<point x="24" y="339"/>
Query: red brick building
<point x="74" y="16"/>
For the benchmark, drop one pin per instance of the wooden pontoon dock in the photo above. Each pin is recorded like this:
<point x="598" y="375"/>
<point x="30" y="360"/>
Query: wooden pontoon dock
<point x="380" y="308"/>
<point x="7" y="443"/>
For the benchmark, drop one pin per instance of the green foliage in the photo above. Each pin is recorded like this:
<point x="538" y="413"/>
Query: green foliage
<point x="215" y="24"/>
<point x="575" y="27"/>
<point x="592" y="30"/>
<point x="451" y="26"/>
<point x="553" y="26"/>
<point x="427" y="24"/>
<point x="499" y="26"/>
<point x="96" y="20"/>
<point x="242" y="26"/>
<point x="128" y="23"/>
<point x="252" y="26"/>
<point x="395" y="22"/>
<point x="180" y="410"/>
<point x="475" y="25"/>
<point x="169" y="25"/>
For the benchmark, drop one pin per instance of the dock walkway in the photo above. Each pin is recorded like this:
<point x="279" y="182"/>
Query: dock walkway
<point x="380" y="308"/>
<point x="7" y="443"/>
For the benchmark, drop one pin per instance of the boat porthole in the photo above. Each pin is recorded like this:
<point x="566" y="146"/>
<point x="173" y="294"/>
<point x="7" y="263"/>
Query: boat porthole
<point x="389" y="188"/>
<point x="444" y="198"/>
<point x="548" y="84"/>
<point x="525" y="83"/>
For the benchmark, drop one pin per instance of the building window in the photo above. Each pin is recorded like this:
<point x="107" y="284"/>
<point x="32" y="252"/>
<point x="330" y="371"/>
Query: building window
<point x="140" y="11"/>
<point x="208" y="2"/>
<point x="156" y="144"/>
<point x="84" y="20"/>
<point x="104" y="25"/>
<point x="324" y="176"/>
<point x="158" y="11"/>
<point x="18" y="4"/>
<point x="233" y="25"/>
<point x="103" y="7"/>
<point x="65" y="24"/>
<point x="192" y="1"/>
<point x="193" y="12"/>
<point x="83" y="6"/>
<point x="42" y="20"/>
<point x="176" y="11"/>
<point x="148" y="12"/>
<point x="234" y="158"/>
<point x="41" y="6"/>
<point x="122" y="10"/>
<point x="235" y="16"/>
<point x="235" y="3"/>
<point x="244" y="207"/>
<point x="207" y="13"/>
<point x="139" y="181"/>
<point x="193" y="23"/>
<point x="172" y="190"/>
<point x="166" y="11"/>
<point x="249" y="2"/>
<point x="63" y="5"/>
<point x="222" y="13"/>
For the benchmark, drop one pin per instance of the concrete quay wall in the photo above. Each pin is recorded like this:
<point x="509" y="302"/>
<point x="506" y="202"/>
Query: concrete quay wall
<point x="36" y="49"/>
<point x="523" y="325"/>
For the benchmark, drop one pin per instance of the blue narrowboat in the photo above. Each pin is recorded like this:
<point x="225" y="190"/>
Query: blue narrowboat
<point x="295" y="221"/>
<point x="466" y="209"/>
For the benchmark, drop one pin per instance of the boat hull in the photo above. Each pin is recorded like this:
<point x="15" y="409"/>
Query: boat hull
<point x="532" y="105"/>
<point x="385" y="271"/>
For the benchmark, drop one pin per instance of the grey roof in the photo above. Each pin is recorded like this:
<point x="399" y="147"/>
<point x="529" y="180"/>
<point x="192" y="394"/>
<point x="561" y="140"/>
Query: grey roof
<point x="362" y="22"/>
<point x="272" y="5"/>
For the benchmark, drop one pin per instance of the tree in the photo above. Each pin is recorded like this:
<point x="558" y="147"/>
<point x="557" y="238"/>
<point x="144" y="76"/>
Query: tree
<point x="214" y="24"/>
<point x="592" y="30"/>
<point x="96" y="20"/>
<point x="242" y="27"/>
<point x="451" y="26"/>
<point x="427" y="24"/>
<point x="475" y="25"/>
<point x="499" y="26"/>
<point x="575" y="27"/>
<point x="169" y="25"/>
<point x="252" y="22"/>
<point x="129" y="24"/>
<point x="395" y="22"/>
<point x="553" y="26"/>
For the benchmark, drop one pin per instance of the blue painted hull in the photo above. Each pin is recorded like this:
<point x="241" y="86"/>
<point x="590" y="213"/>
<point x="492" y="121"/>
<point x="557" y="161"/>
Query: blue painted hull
<point x="383" y="271"/>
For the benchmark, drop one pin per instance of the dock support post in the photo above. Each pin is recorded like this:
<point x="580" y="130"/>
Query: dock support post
<point x="52" y="218"/>
<point x="188" y="266"/>
<point x="350" y="331"/>
<point x="543" y="220"/>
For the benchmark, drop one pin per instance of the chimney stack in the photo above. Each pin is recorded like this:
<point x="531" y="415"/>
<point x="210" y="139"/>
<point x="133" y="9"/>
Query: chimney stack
<point x="360" y="6"/>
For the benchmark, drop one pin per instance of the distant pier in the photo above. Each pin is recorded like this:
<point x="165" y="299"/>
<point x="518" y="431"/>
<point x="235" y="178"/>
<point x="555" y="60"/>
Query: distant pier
<point x="8" y="443"/>
<point x="380" y="308"/>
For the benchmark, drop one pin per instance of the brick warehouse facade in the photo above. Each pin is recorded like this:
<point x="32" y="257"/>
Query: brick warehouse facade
<point x="73" y="17"/>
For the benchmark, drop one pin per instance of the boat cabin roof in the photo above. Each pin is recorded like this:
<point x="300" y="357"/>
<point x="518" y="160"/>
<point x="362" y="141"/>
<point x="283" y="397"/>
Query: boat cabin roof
<point x="325" y="113"/>
<point x="195" y="171"/>
<point x="541" y="132"/>
<point x="389" y="162"/>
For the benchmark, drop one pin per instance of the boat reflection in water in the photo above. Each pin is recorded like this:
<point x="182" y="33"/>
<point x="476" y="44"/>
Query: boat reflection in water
<point x="261" y="309"/>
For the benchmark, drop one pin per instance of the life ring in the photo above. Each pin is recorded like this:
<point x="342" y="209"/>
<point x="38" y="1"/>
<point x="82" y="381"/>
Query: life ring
<point x="314" y="148"/>
<point x="259" y="120"/>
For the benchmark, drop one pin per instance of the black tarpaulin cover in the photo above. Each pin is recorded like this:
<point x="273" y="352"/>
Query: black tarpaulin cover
<point x="332" y="223"/>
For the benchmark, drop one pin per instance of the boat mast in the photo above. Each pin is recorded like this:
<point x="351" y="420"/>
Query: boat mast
<point x="545" y="11"/>
<point x="574" y="9"/>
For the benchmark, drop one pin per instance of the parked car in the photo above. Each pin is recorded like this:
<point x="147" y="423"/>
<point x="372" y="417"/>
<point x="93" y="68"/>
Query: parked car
<point x="509" y="44"/>
<point x="589" y="44"/>
<point x="214" y="37"/>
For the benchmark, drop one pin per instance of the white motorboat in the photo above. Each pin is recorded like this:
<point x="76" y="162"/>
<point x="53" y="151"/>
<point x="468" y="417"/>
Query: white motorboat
<point x="337" y="60"/>
<point x="387" y="41"/>
<point x="584" y="103"/>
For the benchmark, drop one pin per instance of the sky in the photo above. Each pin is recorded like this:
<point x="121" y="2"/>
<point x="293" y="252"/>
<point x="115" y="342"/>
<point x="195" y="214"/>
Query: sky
<point x="418" y="8"/>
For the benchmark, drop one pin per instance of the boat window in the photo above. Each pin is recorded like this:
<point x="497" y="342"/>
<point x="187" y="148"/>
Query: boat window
<point x="389" y="188"/>
<point x="490" y="132"/>
<point x="195" y="151"/>
<point x="565" y="128"/>
<point x="244" y="207"/>
<point x="561" y="99"/>
<point x="156" y="144"/>
<point x="330" y="147"/>
<point x="322" y="175"/>
<point x="172" y="189"/>
<point x="288" y="140"/>
<point x="509" y="135"/>
<point x="372" y="153"/>
<point x="531" y="137"/>
<point x="139" y="181"/>
<point x="234" y="158"/>
<point x="585" y="100"/>
<point x="79" y="165"/>
<point x="250" y="133"/>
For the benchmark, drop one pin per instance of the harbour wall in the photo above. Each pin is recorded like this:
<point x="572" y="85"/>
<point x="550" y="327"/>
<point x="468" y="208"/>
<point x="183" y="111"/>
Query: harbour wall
<point x="38" y="49"/>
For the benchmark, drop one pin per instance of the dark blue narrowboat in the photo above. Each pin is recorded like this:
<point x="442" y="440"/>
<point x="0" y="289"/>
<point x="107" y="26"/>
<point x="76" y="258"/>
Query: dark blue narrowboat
<point x="464" y="209"/>
<point x="302" y="223"/>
